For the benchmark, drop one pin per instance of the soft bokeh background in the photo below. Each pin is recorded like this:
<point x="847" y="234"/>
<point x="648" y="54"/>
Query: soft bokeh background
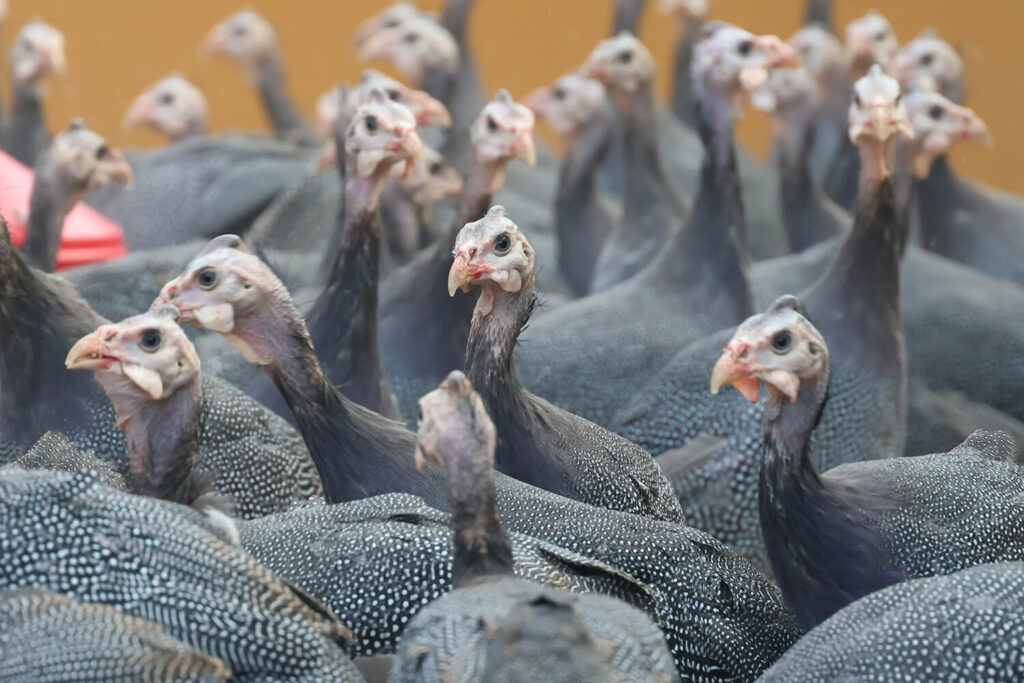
<point x="117" y="47"/>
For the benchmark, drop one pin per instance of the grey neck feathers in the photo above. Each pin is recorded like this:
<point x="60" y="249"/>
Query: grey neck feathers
<point x="274" y="93"/>
<point x="163" y="440"/>
<point x="683" y="102"/>
<point x="455" y="19"/>
<point x="627" y="16"/>
<point x="53" y="195"/>
<point x="645" y="184"/>
<point x="482" y="548"/>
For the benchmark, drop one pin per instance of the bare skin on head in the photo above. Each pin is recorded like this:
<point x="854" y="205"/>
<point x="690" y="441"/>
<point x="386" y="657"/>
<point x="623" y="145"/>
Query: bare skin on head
<point x="78" y="160"/>
<point x="623" y="65"/>
<point x="492" y="254"/>
<point x="38" y="52"/>
<point x="452" y="421"/>
<point x="778" y="348"/>
<point x="931" y="63"/>
<point x="502" y="132"/>
<point x="876" y="118"/>
<point x="684" y="9"/>
<point x="172" y="106"/>
<point x="245" y="38"/>
<point x="568" y="103"/>
<point x="938" y="124"/>
<point x="870" y="40"/>
<point x="822" y="54"/>
<point x="387" y="18"/>
<point x="414" y="47"/>
<point x="430" y="180"/>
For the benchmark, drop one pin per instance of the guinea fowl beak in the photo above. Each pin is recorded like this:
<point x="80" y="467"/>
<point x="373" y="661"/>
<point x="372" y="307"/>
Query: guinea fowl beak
<point x="973" y="127"/>
<point x="120" y="169"/>
<point x="93" y="351"/>
<point x="732" y="368"/>
<point x="378" y="46"/>
<point x="538" y="100"/>
<point x="464" y="271"/>
<point x="366" y="30"/>
<point x="777" y="54"/>
<point x="215" y="42"/>
<point x="139" y="113"/>
<point x="522" y="148"/>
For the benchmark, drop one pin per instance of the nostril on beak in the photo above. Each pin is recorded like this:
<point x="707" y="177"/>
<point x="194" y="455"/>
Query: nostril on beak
<point x="108" y="334"/>
<point x="471" y="252"/>
<point x="400" y="131"/>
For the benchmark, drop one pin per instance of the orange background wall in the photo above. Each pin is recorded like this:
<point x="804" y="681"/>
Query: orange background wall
<point x="117" y="47"/>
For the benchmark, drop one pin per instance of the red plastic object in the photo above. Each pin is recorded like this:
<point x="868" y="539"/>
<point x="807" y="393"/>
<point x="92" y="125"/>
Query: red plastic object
<point x="88" y="235"/>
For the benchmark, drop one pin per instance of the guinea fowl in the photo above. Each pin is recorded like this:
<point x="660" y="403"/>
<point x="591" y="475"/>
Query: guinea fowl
<point x="42" y="317"/>
<point x="652" y="209"/>
<point x="869" y="40"/>
<point x="249" y="40"/>
<point x="361" y="453"/>
<point x="695" y="285"/>
<point x="931" y="63"/>
<point x="45" y="630"/>
<point x="541" y="444"/>
<point x="53" y="451"/>
<point x="827" y="61"/>
<point x="576" y="107"/>
<point x="449" y="638"/>
<point x="855" y="304"/>
<point x="159" y="562"/>
<point x="836" y="536"/>
<point x="78" y="160"/>
<point x="691" y="15"/>
<point x="953" y="628"/>
<point x="809" y="215"/>
<point x="173" y="106"/>
<point x="38" y="51"/>
<point x="150" y="372"/>
<point x="423" y="331"/>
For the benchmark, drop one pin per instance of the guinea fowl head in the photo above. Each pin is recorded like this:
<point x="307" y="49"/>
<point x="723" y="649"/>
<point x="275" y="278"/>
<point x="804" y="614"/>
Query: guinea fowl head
<point x="225" y="288"/>
<point x="822" y="53"/>
<point x="493" y="254"/>
<point x="567" y="104"/>
<point x="427" y="110"/>
<point x="453" y="425"/>
<point x="38" y="51"/>
<point x="684" y="8"/>
<point x="930" y="62"/>
<point x="779" y="347"/>
<point x="381" y="133"/>
<point x="245" y="37"/>
<point x="81" y="159"/>
<point x="870" y="40"/>
<point x="415" y="47"/>
<point x="877" y="116"/>
<point x="623" y="65"/>
<point x="431" y="180"/>
<point x="939" y="123"/>
<point x="143" y="358"/>
<point x="503" y="131"/>
<point x="389" y="17"/>
<point x="172" y="105"/>
<point x="729" y="62"/>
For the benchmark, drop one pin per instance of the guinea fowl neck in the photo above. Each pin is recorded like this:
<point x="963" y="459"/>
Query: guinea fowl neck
<point x="163" y="440"/>
<point x="856" y="304"/>
<point x="711" y="250"/>
<point x="683" y="104"/>
<point x="53" y="195"/>
<point x="485" y="179"/>
<point x="587" y="149"/>
<point x="627" y="16"/>
<point x="645" y="184"/>
<point x="482" y="548"/>
<point x="804" y="208"/>
<point x="938" y="197"/>
<point x="455" y="18"/>
<point x="819" y="12"/>
<point x="274" y="93"/>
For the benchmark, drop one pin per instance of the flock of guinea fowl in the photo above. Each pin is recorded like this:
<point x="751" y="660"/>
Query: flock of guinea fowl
<point x="386" y="403"/>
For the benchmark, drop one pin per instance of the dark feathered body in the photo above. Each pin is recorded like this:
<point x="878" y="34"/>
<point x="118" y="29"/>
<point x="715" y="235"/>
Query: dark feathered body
<point x="957" y="627"/>
<point x="229" y="180"/>
<point x="48" y="637"/>
<point x="24" y="135"/>
<point x="158" y="562"/>
<point x="53" y="451"/>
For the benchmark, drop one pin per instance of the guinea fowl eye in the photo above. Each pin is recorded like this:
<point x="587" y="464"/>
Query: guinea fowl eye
<point x="927" y="59"/>
<point x="150" y="340"/>
<point x="880" y="36"/>
<point x="559" y="94"/>
<point x="371" y="124"/>
<point x="102" y="152"/>
<point x="167" y="98"/>
<point x="502" y="244"/>
<point x="239" y="31"/>
<point x="745" y="47"/>
<point x="935" y="112"/>
<point x="207" y="278"/>
<point x="856" y="99"/>
<point x="492" y="125"/>
<point x="625" y="56"/>
<point x="393" y="95"/>
<point x="411" y="38"/>
<point x="782" y="341"/>
<point x="435" y="168"/>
